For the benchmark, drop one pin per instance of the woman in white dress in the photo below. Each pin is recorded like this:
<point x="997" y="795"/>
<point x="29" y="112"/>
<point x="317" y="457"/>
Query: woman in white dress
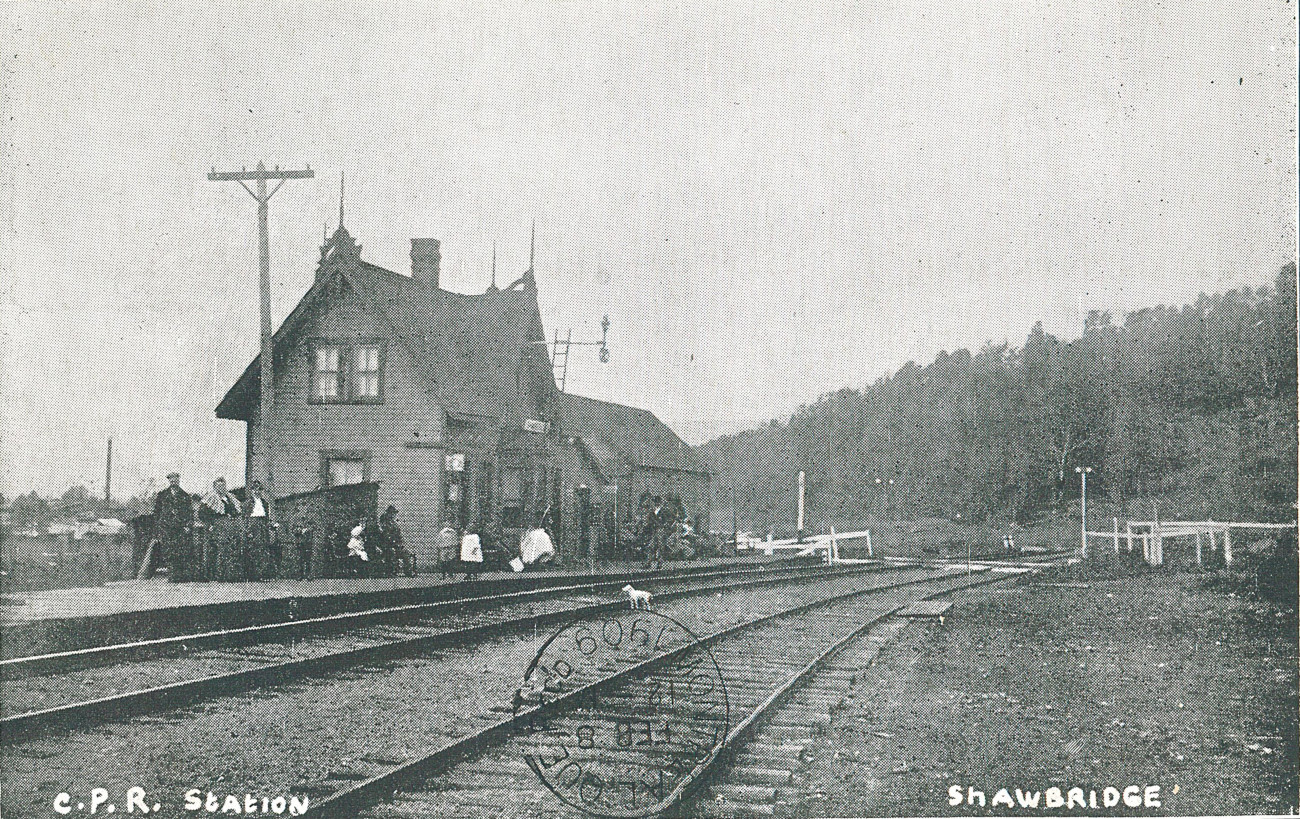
<point x="471" y="553"/>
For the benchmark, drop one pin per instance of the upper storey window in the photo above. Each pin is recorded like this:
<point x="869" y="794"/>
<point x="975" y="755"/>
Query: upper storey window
<point x="365" y="372"/>
<point x="347" y="373"/>
<point x="328" y="376"/>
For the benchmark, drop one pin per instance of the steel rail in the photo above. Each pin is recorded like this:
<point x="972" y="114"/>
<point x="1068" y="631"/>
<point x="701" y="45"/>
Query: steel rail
<point x="347" y="802"/>
<point x="697" y="777"/>
<point x="993" y="559"/>
<point x="117" y="707"/>
<point x="54" y="662"/>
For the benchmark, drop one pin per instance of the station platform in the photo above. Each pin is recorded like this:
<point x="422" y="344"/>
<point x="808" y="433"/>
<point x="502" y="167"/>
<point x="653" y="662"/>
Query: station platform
<point x="67" y="619"/>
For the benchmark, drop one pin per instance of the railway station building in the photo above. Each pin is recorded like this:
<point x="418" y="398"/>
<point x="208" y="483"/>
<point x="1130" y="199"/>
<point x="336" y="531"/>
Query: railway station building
<point x="448" y="402"/>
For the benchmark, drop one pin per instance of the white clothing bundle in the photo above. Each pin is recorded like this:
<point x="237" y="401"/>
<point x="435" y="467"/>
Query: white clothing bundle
<point x="535" y="545"/>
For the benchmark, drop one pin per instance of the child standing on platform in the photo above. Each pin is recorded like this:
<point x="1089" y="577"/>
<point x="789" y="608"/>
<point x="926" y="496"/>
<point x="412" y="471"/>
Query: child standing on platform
<point x="471" y="553"/>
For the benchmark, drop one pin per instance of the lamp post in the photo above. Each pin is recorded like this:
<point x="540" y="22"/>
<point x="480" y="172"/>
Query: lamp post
<point x="799" y="509"/>
<point x="735" y="521"/>
<point x="1083" y="510"/>
<point x="889" y="500"/>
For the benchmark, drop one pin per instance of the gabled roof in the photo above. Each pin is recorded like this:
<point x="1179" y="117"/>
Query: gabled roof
<point x="471" y="343"/>
<point x="468" y="346"/>
<point x="619" y="437"/>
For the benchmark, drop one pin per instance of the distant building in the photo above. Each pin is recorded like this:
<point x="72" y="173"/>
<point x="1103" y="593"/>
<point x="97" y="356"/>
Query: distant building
<point x="449" y="403"/>
<point x="78" y="529"/>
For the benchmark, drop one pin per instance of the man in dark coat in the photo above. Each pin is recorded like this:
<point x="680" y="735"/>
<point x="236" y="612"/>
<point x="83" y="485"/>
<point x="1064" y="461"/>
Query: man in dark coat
<point x="376" y="545"/>
<point x="304" y="547"/>
<point x="394" y="545"/>
<point x="660" y="522"/>
<point x="172" y="518"/>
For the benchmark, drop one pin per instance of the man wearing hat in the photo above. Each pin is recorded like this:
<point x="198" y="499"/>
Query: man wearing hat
<point x="172" y="516"/>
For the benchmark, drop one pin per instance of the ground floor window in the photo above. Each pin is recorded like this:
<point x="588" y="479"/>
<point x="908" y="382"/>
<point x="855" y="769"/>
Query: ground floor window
<point x="342" y="468"/>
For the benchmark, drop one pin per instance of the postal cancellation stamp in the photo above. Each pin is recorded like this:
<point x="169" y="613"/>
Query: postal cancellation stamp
<point x="628" y="754"/>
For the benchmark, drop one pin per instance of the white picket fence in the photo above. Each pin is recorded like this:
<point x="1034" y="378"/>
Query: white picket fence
<point x="1152" y="534"/>
<point x="826" y="545"/>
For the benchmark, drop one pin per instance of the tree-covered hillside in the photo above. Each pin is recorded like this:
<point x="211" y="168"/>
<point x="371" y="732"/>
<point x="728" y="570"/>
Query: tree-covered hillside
<point x="1190" y="409"/>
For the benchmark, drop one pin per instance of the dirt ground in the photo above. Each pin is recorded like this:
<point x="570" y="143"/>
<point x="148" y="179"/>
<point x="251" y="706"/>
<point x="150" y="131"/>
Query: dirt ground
<point x="1150" y="680"/>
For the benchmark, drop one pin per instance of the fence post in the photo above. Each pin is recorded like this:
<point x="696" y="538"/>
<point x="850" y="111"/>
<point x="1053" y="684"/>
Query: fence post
<point x="1227" y="546"/>
<point x="1198" y="547"/>
<point x="870" y="552"/>
<point x="1115" y="522"/>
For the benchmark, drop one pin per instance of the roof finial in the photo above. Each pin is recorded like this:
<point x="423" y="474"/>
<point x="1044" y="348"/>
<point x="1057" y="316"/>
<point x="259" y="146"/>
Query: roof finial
<point x="532" y="246"/>
<point x="340" y="198"/>
<point x="492" y="287"/>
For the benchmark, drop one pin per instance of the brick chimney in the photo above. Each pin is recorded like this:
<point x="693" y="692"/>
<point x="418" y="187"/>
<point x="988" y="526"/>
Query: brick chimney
<point x="425" y="260"/>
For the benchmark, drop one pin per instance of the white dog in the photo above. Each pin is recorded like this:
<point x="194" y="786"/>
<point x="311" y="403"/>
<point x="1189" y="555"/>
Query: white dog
<point x="637" y="598"/>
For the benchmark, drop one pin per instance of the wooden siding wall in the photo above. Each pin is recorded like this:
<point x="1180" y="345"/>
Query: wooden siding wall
<point x="402" y="435"/>
<point x="405" y="440"/>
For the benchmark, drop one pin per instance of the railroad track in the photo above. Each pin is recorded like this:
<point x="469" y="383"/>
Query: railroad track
<point x="607" y="718"/>
<point x="72" y="659"/>
<point x="104" y="690"/>
<point x="755" y="774"/>
<point x="1036" y="560"/>
<point x="318" y="736"/>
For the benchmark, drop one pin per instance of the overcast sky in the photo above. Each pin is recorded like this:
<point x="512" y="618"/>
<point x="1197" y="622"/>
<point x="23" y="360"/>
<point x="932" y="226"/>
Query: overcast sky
<point x="770" y="200"/>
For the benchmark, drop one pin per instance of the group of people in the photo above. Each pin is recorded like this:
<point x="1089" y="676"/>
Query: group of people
<point x="376" y="548"/>
<point x="213" y="536"/>
<point x="462" y="550"/>
<point x="459" y="551"/>
<point x="216" y="536"/>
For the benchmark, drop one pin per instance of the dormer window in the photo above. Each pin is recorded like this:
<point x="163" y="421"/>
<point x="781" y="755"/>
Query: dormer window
<point x="347" y="373"/>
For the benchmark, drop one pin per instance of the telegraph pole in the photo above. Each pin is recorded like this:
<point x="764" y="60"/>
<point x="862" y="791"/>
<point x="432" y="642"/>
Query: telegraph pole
<point x="260" y="175"/>
<point x="735" y="521"/>
<point x="108" y="475"/>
